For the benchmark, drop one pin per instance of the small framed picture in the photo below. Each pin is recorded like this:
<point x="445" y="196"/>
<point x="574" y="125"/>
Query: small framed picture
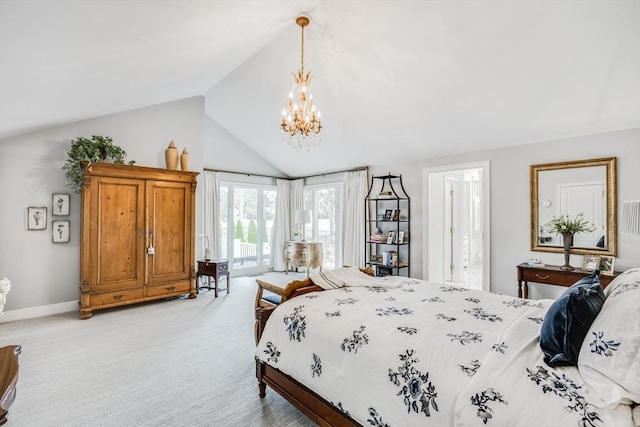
<point x="60" y="205"/>
<point x="390" y="237"/>
<point x="606" y="265"/>
<point x="396" y="215"/>
<point x="400" y="237"/>
<point x="591" y="262"/>
<point x="37" y="218"/>
<point x="60" y="232"/>
<point x="387" y="215"/>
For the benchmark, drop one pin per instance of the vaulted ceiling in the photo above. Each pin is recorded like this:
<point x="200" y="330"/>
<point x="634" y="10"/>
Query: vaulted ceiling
<point x="395" y="80"/>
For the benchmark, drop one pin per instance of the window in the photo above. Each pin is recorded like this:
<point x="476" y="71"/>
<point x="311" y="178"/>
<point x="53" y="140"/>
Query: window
<point x="247" y="212"/>
<point x="325" y="201"/>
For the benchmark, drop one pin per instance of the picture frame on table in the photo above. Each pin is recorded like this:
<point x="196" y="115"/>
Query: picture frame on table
<point x="606" y="265"/>
<point x="387" y="215"/>
<point x="60" y="204"/>
<point x="36" y="218"/>
<point x="591" y="262"/>
<point x="396" y="215"/>
<point x="390" y="237"/>
<point x="60" y="231"/>
<point x="400" y="237"/>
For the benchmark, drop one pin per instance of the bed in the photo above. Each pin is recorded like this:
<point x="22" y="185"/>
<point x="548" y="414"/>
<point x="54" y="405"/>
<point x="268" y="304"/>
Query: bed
<point x="404" y="352"/>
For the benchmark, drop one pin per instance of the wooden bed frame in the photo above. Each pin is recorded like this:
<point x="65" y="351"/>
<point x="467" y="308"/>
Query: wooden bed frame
<point x="311" y="404"/>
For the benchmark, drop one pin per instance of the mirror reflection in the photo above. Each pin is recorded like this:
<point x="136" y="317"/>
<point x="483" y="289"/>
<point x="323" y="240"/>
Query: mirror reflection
<point x="584" y="187"/>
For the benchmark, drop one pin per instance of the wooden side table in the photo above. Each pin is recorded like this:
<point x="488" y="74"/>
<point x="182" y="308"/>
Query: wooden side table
<point x="215" y="268"/>
<point x="552" y="275"/>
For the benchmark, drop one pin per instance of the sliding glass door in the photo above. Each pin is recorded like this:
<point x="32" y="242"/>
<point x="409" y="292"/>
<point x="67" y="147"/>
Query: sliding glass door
<point x="325" y="201"/>
<point x="247" y="213"/>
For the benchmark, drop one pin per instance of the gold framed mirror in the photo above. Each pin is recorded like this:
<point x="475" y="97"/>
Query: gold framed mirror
<point x="583" y="186"/>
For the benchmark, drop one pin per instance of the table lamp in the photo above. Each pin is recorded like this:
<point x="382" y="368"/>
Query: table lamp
<point x="302" y="217"/>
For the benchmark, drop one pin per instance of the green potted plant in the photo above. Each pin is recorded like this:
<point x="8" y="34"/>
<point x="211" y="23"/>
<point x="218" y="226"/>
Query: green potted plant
<point x="85" y="152"/>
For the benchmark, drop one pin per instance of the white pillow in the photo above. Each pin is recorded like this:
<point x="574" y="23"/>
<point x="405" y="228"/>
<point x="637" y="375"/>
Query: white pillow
<point x="609" y="359"/>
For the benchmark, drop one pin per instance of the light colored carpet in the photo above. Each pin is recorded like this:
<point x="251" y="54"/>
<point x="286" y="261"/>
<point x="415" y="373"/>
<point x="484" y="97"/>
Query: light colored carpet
<point x="175" y="362"/>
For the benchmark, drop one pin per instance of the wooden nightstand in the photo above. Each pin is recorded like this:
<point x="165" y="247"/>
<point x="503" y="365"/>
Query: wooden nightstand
<point x="552" y="275"/>
<point x="215" y="268"/>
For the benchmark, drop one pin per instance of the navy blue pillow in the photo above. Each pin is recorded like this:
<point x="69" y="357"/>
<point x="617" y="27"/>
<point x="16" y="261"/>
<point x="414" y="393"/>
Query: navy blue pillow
<point x="568" y="320"/>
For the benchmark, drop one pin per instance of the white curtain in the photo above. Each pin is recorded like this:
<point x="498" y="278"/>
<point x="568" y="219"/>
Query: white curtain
<point x="296" y="202"/>
<point x="212" y="228"/>
<point x="353" y="236"/>
<point x="281" y="229"/>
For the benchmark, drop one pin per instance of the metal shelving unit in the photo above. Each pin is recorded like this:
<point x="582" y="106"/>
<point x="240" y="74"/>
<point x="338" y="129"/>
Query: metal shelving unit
<point x="387" y="226"/>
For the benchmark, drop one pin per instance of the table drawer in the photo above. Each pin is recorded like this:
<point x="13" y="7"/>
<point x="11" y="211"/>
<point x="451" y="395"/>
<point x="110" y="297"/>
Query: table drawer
<point x="169" y="289"/>
<point x="223" y="268"/>
<point x="117" y="297"/>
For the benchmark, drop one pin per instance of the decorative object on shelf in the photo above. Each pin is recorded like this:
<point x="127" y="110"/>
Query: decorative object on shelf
<point x="606" y="265"/>
<point x="85" y="152"/>
<point x="184" y="160"/>
<point x="303" y="217"/>
<point x="591" y="262"/>
<point x="37" y="218"/>
<point x="630" y="217"/>
<point x="60" y="204"/>
<point x="171" y="156"/>
<point x="300" y="120"/>
<point x="567" y="227"/>
<point x="60" y="231"/>
<point x="5" y="287"/>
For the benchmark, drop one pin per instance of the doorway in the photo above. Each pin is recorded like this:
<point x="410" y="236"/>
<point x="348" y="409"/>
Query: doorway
<point x="456" y="231"/>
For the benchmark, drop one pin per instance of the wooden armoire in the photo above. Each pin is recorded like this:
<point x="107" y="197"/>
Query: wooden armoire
<point x="137" y="235"/>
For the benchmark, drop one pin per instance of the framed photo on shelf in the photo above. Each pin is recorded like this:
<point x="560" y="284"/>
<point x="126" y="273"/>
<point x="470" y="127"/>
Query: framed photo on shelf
<point x="60" y="232"/>
<point x="400" y="237"/>
<point x="387" y="215"/>
<point x="36" y="218"/>
<point x="60" y="204"/>
<point x="390" y="237"/>
<point x="591" y="262"/>
<point x="396" y="215"/>
<point x="606" y="265"/>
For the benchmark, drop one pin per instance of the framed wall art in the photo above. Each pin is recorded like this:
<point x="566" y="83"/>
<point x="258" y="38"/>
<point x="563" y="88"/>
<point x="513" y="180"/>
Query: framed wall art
<point x="36" y="218"/>
<point x="60" y="204"/>
<point x="60" y="232"/>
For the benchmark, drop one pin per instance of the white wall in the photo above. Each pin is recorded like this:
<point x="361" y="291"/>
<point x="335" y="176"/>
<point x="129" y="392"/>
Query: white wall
<point x="223" y="151"/>
<point x="510" y="215"/>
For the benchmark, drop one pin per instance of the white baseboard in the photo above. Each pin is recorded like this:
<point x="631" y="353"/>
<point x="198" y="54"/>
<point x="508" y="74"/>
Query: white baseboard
<point x="43" y="310"/>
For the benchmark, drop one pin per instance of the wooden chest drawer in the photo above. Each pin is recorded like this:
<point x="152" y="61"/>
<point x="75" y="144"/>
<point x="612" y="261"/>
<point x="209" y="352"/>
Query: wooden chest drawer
<point x="169" y="289"/>
<point x="549" y="277"/>
<point x="117" y="297"/>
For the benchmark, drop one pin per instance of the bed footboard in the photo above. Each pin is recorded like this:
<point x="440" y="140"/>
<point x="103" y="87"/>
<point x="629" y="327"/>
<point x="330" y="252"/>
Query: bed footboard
<point x="308" y="402"/>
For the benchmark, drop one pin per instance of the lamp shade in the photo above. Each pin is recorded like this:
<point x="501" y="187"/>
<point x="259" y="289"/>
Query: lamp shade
<point x="303" y="216"/>
<point x="630" y="217"/>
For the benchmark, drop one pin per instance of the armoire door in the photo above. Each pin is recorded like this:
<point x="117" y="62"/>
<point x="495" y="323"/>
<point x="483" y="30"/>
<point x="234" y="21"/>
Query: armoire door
<point x="116" y="234"/>
<point x="169" y="231"/>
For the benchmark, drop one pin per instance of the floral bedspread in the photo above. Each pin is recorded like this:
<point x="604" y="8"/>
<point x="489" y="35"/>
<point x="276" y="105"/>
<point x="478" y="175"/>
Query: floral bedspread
<point x="428" y="354"/>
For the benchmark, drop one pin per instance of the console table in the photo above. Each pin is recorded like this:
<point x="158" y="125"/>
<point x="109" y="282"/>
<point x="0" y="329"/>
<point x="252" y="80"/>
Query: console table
<point x="552" y="275"/>
<point x="303" y="254"/>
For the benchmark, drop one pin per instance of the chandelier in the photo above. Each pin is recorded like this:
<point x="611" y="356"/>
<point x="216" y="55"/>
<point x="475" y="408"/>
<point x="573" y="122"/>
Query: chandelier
<point x="300" y="120"/>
